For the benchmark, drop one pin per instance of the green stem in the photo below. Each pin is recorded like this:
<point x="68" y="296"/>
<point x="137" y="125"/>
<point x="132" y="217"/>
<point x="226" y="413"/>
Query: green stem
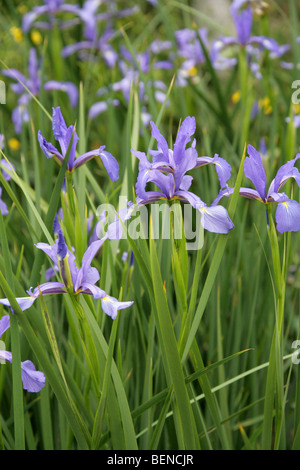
<point x="274" y="385"/>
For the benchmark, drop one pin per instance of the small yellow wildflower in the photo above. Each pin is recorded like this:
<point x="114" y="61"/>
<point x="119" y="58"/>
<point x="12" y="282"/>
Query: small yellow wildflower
<point x="297" y="108"/>
<point x="36" y="37"/>
<point x="236" y="96"/>
<point x="192" y="71"/>
<point x="14" y="144"/>
<point x="265" y="104"/>
<point x="16" y="34"/>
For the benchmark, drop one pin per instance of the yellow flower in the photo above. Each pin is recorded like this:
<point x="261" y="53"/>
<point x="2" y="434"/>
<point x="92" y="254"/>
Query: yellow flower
<point x="236" y="96"/>
<point x="16" y="34"/>
<point x="14" y="144"/>
<point x="265" y="104"/>
<point x="297" y="108"/>
<point x="192" y="71"/>
<point x="36" y="37"/>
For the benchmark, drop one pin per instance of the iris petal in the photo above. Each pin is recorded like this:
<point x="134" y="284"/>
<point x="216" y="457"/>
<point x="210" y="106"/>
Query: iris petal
<point x="216" y="219"/>
<point x="288" y="216"/>
<point x="254" y="170"/>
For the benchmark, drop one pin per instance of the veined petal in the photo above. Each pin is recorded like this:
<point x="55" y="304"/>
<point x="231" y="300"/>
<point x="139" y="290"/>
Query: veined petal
<point x="111" y="306"/>
<point x="186" y="130"/>
<point x="288" y="216"/>
<point x="254" y="170"/>
<point x="87" y="259"/>
<point x="216" y="219"/>
<point x="58" y="124"/>
<point x="33" y="380"/>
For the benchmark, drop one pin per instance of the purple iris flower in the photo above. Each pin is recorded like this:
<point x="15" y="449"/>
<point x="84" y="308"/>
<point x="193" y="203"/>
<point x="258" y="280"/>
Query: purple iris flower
<point x="33" y="83"/>
<point x="63" y="135"/>
<point x="168" y="172"/>
<point x="189" y="46"/>
<point x="33" y="380"/>
<point x="51" y="9"/>
<point x="74" y="280"/>
<point x="288" y="211"/>
<point x="242" y="15"/>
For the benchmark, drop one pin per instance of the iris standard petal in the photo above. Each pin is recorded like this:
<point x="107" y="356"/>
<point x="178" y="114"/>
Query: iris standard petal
<point x="288" y="216"/>
<point x="161" y="141"/>
<point x="243" y="24"/>
<point x="58" y="124"/>
<point x="254" y="170"/>
<point x="84" y="273"/>
<point x="186" y="130"/>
